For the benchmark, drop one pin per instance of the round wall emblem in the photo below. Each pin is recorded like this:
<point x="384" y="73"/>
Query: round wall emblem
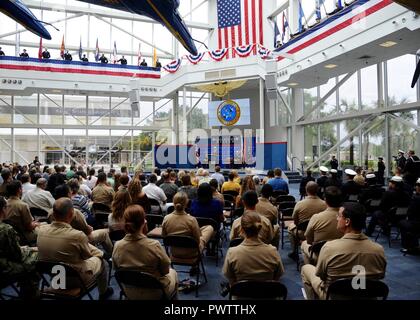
<point x="228" y="112"/>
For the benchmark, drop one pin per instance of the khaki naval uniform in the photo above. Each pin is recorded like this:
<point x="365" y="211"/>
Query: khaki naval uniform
<point x="252" y="260"/>
<point x="266" y="233"/>
<point x="60" y="242"/>
<point x="267" y="209"/>
<point x="138" y="251"/>
<point x="337" y="259"/>
<point x="302" y="212"/>
<point x="183" y="224"/>
<point x="20" y="216"/>
<point x="322" y="226"/>
<point x="103" y="194"/>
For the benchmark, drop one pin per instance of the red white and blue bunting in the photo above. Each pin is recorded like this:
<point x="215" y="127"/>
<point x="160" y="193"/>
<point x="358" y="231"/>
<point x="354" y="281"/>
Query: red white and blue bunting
<point x="244" y="51"/>
<point x="173" y="66"/>
<point x="263" y="52"/>
<point x="195" y="59"/>
<point x="219" y="54"/>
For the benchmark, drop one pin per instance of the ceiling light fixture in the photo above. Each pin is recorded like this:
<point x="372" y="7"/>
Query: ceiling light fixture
<point x="330" y="66"/>
<point x="388" y="44"/>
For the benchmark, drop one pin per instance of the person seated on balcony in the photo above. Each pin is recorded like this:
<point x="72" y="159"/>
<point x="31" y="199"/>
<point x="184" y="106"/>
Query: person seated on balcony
<point x="68" y="56"/>
<point x="122" y="60"/>
<point x="337" y="258"/>
<point x="148" y="255"/>
<point x="143" y="63"/>
<point x="158" y="64"/>
<point x="1" y="52"/>
<point x="46" y="54"/>
<point x="103" y="59"/>
<point x="84" y="58"/>
<point x="252" y="259"/>
<point x="302" y="212"/>
<point x="24" y="54"/>
<point x="179" y="223"/>
<point x="15" y="261"/>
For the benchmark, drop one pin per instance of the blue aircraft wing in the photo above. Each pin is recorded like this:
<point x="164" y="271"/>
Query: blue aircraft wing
<point x="17" y="11"/>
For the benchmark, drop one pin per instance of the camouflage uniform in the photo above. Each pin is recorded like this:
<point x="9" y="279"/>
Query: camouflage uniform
<point x="18" y="262"/>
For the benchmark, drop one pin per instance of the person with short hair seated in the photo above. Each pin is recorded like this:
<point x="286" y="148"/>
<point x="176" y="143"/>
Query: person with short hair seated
<point x="231" y="185"/>
<point x="180" y="223"/>
<point x="250" y="200"/>
<point x="17" y="262"/>
<point x="278" y="183"/>
<point x="148" y="255"/>
<point x="302" y="212"/>
<point x="323" y="225"/>
<point x="103" y="193"/>
<point x="59" y="242"/>
<point x="268" y="210"/>
<point x="347" y="257"/>
<point x="39" y="197"/>
<point x="252" y="259"/>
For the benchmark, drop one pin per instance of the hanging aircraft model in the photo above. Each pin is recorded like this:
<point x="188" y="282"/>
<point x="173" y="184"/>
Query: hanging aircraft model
<point x="163" y="11"/>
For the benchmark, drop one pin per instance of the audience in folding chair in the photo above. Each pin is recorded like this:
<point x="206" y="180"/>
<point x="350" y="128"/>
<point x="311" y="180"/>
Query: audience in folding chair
<point x="17" y="262"/>
<point x="137" y="194"/>
<point x="323" y="226"/>
<point x="60" y="242"/>
<point x="410" y="228"/>
<point x="250" y="200"/>
<point x="350" y="187"/>
<point x="39" y="197"/>
<point x="179" y="223"/>
<point x="352" y="255"/>
<point x="246" y="185"/>
<point x="267" y="209"/>
<point x="302" y="212"/>
<point x="252" y="259"/>
<point x="216" y="194"/>
<point x="102" y="192"/>
<point x="395" y="196"/>
<point x="231" y="185"/>
<point x="188" y="188"/>
<point x="148" y="255"/>
<point x="18" y="213"/>
<point x="121" y="201"/>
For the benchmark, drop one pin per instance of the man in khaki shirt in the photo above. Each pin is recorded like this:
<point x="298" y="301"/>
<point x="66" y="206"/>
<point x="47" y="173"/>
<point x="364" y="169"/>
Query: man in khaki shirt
<point x="60" y="242"/>
<point x="250" y="200"/>
<point x="103" y="194"/>
<point x="323" y="225"/>
<point x="346" y="257"/>
<point x="268" y="210"/>
<point x="302" y="212"/>
<point x="18" y="212"/>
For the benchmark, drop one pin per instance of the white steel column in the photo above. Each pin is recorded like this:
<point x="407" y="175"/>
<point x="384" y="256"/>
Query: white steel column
<point x="262" y="112"/>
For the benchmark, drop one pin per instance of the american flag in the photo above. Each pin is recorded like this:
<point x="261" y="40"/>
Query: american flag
<point x="240" y="22"/>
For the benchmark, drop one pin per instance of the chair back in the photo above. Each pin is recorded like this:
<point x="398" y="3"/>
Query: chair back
<point x="208" y="222"/>
<point x="231" y="193"/>
<point x="287" y="205"/>
<point x="38" y="212"/>
<point x="153" y="204"/>
<point x="116" y="235"/>
<point x="316" y="247"/>
<point x="229" y="197"/>
<point x="277" y="193"/>
<point x="302" y="225"/>
<point x="238" y="212"/>
<point x="98" y="207"/>
<point x="285" y="198"/>
<point x="352" y="198"/>
<point x="180" y="242"/>
<point x="170" y="209"/>
<point x="254" y="289"/>
<point x="286" y="213"/>
<point x="343" y="289"/>
<point x="235" y="242"/>
<point x="153" y="220"/>
<point x="136" y="278"/>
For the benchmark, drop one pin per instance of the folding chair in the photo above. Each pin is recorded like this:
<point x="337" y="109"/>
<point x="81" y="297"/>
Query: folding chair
<point x="217" y="238"/>
<point x="153" y="204"/>
<point x="343" y="289"/>
<point x="154" y="226"/>
<point x="235" y="242"/>
<point x="195" y="262"/>
<point x="258" y="290"/>
<point x="134" y="277"/>
<point x="39" y="214"/>
<point x="45" y="269"/>
<point x="300" y="227"/>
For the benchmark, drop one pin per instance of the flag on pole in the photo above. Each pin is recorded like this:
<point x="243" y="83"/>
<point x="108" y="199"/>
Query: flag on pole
<point x="80" y="49"/>
<point x="97" y="51"/>
<point x="154" y="58"/>
<point x="301" y="15"/>
<point x="40" y="49"/>
<point x="114" y="52"/>
<point x="62" y="48"/>
<point x="276" y="33"/>
<point x="139" y="55"/>
<point x="285" y="25"/>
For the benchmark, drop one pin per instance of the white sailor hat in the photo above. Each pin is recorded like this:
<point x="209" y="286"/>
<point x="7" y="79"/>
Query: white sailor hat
<point x="323" y="169"/>
<point x="401" y="151"/>
<point x="333" y="171"/>
<point x="370" y="176"/>
<point x="396" y="179"/>
<point x="418" y="181"/>
<point x="350" y="172"/>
